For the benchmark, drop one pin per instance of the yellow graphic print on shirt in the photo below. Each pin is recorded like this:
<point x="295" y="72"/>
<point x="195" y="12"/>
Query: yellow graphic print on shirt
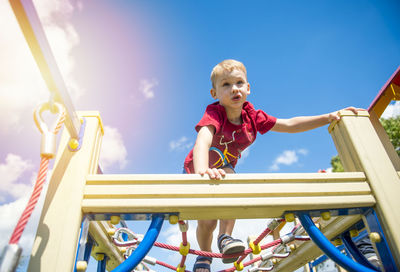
<point x="223" y="156"/>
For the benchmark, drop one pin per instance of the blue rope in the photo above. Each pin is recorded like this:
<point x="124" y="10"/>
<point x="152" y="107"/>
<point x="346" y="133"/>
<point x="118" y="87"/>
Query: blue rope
<point x="330" y="250"/>
<point x="144" y="246"/>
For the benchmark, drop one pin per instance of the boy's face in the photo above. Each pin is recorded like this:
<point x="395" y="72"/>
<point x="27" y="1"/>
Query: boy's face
<point x="231" y="89"/>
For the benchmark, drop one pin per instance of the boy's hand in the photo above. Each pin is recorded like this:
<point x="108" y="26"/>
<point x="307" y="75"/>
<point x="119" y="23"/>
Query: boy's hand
<point x="214" y="173"/>
<point x="335" y="115"/>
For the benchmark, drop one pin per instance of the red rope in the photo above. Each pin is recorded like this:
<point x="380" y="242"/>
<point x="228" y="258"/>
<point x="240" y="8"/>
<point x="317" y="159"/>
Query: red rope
<point x="265" y="233"/>
<point x="183" y="260"/>
<point x="262" y="235"/>
<point x="37" y="190"/>
<point x="217" y="255"/>
<point x="165" y="265"/>
<point x="244" y="265"/>
<point x="184" y="243"/>
<point x="23" y="220"/>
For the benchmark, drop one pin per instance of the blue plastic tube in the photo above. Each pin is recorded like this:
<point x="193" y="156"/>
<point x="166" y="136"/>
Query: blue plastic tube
<point x="357" y="255"/>
<point x="330" y="250"/>
<point x="144" y="246"/>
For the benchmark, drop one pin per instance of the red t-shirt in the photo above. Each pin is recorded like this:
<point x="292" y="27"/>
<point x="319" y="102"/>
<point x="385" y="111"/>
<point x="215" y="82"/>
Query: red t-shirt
<point x="229" y="139"/>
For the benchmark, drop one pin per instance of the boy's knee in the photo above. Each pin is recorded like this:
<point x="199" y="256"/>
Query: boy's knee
<point x="207" y="224"/>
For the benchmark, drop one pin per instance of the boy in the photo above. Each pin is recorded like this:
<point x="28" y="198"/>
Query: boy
<point x="226" y="129"/>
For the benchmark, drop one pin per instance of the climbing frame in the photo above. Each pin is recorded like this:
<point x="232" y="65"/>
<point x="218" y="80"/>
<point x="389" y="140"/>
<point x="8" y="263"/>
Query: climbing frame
<point x="76" y="189"/>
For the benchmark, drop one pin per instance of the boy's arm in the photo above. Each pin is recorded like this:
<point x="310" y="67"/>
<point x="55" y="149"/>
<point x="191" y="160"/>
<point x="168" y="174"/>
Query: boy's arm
<point x="201" y="151"/>
<point x="304" y="123"/>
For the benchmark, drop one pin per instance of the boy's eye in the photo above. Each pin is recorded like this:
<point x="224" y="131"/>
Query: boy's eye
<point x="240" y="82"/>
<point x="225" y="84"/>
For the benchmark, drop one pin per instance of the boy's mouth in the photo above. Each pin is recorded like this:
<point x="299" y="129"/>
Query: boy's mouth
<point x="236" y="97"/>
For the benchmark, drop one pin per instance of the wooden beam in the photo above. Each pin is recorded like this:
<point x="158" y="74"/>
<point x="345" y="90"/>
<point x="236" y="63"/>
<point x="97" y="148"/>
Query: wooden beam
<point x="365" y="152"/>
<point x="116" y="179"/>
<point x="236" y="196"/>
<point x="35" y="36"/>
<point x="57" y="236"/>
<point x="99" y="231"/>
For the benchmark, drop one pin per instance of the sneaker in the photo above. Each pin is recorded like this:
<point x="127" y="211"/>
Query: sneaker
<point x="228" y="245"/>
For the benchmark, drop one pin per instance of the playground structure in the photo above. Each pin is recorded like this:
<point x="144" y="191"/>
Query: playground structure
<point x="81" y="202"/>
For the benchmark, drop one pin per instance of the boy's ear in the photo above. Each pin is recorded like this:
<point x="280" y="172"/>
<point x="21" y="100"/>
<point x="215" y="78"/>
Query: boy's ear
<point x="213" y="93"/>
<point x="248" y="88"/>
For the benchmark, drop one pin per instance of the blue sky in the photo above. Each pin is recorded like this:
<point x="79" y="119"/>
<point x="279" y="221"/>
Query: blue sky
<point x="145" y="66"/>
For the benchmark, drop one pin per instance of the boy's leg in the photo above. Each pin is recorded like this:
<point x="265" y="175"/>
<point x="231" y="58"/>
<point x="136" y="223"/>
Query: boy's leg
<point x="226" y="226"/>
<point x="227" y="244"/>
<point x="204" y="234"/>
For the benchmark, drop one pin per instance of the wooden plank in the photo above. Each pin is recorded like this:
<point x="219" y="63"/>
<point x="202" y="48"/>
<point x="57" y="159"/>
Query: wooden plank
<point x="224" y="208"/>
<point x="230" y="178"/>
<point x="380" y="172"/>
<point x="35" y="36"/>
<point x="225" y="190"/>
<point x="394" y="157"/>
<point x="104" y="245"/>
<point x="57" y="236"/>
<point x="345" y="149"/>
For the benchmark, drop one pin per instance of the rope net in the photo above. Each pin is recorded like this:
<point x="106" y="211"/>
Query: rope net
<point x="269" y="252"/>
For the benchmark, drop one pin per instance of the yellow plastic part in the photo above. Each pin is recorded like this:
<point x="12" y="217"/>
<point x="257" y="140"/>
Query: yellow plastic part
<point x="184" y="250"/>
<point x="99" y="257"/>
<point x="111" y="232"/>
<point x="274" y="261"/>
<point x="338" y="242"/>
<point x="293" y="247"/>
<point x="375" y="237"/>
<point x="115" y="219"/>
<point x="326" y="215"/>
<point x="73" y="143"/>
<point x="280" y="226"/>
<point x="81" y="266"/>
<point x="181" y="269"/>
<point x="238" y="266"/>
<point x="173" y="219"/>
<point x="354" y="233"/>
<point x="256" y="248"/>
<point x="289" y="217"/>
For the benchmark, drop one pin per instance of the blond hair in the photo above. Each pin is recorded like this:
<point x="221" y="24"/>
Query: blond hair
<point x="226" y="65"/>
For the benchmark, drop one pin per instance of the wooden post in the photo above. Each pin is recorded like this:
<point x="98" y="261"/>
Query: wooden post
<point x="57" y="236"/>
<point x="361" y="149"/>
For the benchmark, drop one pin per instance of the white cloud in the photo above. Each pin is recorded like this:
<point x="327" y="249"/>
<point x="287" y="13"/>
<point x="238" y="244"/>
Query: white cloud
<point x="147" y="86"/>
<point x="302" y="151"/>
<point x="288" y="157"/>
<point x="10" y="172"/>
<point x="180" y="145"/>
<point x="393" y="110"/>
<point x="113" y="150"/>
<point x="22" y="86"/>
